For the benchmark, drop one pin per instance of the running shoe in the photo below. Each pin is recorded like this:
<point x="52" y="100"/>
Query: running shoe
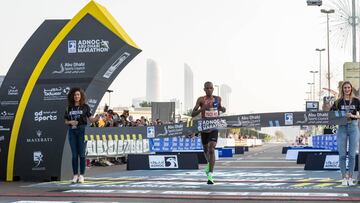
<point x="351" y="182"/>
<point x="81" y="179"/>
<point x="344" y="182"/>
<point x="210" y="179"/>
<point x="207" y="169"/>
<point x="75" y="179"/>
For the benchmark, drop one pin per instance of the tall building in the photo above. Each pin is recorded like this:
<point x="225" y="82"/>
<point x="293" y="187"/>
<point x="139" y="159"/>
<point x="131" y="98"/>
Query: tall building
<point x="188" y="88"/>
<point x="177" y="105"/>
<point x="225" y="91"/>
<point x="152" y="81"/>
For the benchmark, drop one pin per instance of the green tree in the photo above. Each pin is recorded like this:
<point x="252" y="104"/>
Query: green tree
<point x="279" y="135"/>
<point x="145" y="104"/>
<point x="188" y="112"/>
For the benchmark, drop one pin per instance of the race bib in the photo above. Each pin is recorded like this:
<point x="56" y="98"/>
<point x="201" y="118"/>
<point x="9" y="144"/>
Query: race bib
<point x="211" y="113"/>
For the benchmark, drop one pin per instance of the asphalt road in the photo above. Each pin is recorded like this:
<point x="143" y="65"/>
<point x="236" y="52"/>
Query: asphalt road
<point x="260" y="175"/>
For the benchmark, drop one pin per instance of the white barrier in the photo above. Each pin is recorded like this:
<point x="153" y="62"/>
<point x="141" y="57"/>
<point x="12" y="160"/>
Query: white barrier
<point x="225" y="142"/>
<point x="114" y="148"/>
<point x="292" y="154"/>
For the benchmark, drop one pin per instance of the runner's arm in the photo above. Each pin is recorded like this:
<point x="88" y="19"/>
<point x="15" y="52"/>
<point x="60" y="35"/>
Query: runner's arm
<point x="196" y="109"/>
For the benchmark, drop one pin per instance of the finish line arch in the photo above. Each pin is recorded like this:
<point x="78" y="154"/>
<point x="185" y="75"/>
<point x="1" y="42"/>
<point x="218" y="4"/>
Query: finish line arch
<point x="88" y="51"/>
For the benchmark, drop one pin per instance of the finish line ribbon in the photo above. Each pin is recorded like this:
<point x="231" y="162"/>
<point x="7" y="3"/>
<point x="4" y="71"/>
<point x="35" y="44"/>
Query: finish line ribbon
<point x="280" y="119"/>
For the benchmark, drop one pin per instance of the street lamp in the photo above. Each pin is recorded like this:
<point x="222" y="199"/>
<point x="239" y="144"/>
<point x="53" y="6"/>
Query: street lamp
<point x="313" y="72"/>
<point x="311" y="91"/>
<point x="319" y="50"/>
<point x="109" y="91"/>
<point x="327" y="12"/>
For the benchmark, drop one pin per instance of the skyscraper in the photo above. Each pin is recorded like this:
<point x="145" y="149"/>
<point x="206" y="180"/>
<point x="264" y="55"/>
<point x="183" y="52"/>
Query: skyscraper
<point x="225" y="91"/>
<point x="188" y="88"/>
<point x="152" y="81"/>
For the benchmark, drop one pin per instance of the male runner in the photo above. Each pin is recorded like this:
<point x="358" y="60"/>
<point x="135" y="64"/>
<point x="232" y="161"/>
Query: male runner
<point x="210" y="106"/>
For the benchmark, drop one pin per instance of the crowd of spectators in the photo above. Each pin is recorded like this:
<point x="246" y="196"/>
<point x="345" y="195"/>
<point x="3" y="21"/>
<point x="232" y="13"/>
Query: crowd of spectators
<point x="109" y="118"/>
<point x="301" y="140"/>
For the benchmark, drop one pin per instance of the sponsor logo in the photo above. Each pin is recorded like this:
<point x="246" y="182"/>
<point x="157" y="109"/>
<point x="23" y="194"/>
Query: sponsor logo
<point x="166" y="161"/>
<point x="150" y="132"/>
<point x="4" y="115"/>
<point x="289" y="118"/>
<point x="39" y="138"/>
<point x="199" y="126"/>
<point x="38" y="160"/>
<point x="331" y="162"/>
<point x="88" y="46"/>
<point x="303" y="121"/>
<point x="56" y="93"/>
<point x="72" y="46"/>
<point x="116" y="64"/>
<point x="13" y="91"/>
<point x="70" y="68"/>
<point x="92" y="103"/>
<point x="4" y="129"/>
<point x="211" y="124"/>
<point x="45" y="116"/>
<point x="172" y="130"/>
<point x="8" y="103"/>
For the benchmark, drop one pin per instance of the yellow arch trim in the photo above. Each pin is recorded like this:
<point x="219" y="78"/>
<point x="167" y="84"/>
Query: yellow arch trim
<point x="99" y="13"/>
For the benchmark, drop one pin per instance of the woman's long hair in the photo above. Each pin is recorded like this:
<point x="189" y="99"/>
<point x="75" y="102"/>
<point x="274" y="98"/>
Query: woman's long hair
<point x="70" y="96"/>
<point x="341" y="92"/>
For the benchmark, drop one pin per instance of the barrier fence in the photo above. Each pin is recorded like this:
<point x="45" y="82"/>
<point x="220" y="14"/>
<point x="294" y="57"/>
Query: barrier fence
<point x="105" y="142"/>
<point x="236" y="121"/>
<point x="325" y="142"/>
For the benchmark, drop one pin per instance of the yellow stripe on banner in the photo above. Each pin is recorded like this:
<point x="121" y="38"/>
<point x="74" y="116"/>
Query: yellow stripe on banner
<point x="116" y="138"/>
<point x="92" y="137"/>
<point x="103" y="137"/>
<point x="86" y="138"/>
<point x="134" y="136"/>
<point x="114" y="26"/>
<point x="128" y="136"/>
<point x="97" y="137"/>
<point x="122" y="137"/>
<point x="110" y="137"/>
<point x="99" y="13"/>
<point x="140" y="137"/>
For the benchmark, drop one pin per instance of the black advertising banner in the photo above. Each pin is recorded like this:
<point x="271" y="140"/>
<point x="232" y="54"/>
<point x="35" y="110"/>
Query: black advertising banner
<point x="89" y="52"/>
<point x="273" y="120"/>
<point x="15" y="81"/>
<point x="237" y="121"/>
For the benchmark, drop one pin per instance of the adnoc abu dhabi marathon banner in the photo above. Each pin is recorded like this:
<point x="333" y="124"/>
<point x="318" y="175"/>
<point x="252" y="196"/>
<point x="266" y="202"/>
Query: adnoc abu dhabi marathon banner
<point x="88" y="51"/>
<point x="237" y="121"/>
<point x="15" y="80"/>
